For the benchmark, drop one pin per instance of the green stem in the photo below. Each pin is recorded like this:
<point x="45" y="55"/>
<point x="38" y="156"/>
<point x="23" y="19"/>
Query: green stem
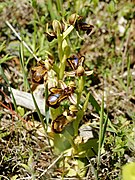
<point x="62" y="67"/>
<point x="80" y="111"/>
<point x="60" y="52"/>
<point x="62" y="57"/>
<point x="80" y="89"/>
<point x="50" y="5"/>
<point x="59" y="5"/>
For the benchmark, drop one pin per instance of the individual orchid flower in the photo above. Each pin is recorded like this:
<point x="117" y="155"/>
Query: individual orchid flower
<point x="57" y="95"/>
<point x="39" y="73"/>
<point x="79" y="24"/>
<point x="77" y="65"/>
<point x="65" y="118"/>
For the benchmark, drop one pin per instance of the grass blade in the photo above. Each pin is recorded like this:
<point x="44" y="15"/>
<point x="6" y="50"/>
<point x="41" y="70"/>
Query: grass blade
<point x="6" y="80"/>
<point x="100" y="131"/>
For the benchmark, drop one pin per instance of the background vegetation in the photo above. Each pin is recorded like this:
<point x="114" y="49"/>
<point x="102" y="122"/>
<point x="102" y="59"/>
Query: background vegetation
<point x="28" y="147"/>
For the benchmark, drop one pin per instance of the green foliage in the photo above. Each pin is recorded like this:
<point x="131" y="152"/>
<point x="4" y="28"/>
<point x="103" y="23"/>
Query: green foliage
<point x="7" y="57"/>
<point x="128" y="171"/>
<point x="21" y="111"/>
<point x="108" y="53"/>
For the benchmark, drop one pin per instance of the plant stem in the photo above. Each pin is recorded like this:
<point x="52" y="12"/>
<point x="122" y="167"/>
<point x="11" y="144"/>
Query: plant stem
<point x="59" y="5"/>
<point x="50" y="5"/>
<point x="62" y="67"/>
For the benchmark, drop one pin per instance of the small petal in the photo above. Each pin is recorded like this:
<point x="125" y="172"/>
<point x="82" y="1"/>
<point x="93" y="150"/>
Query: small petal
<point x="72" y="99"/>
<point x="71" y="73"/>
<point x="88" y="73"/>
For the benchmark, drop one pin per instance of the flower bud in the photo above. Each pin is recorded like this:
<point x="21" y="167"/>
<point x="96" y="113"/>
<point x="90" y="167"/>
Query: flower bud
<point x="72" y="84"/>
<point x="72" y="18"/>
<point x="73" y="108"/>
<point x="56" y="26"/>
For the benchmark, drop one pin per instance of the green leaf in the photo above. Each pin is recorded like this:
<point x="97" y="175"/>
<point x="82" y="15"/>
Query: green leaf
<point x="89" y="149"/>
<point x="30" y="160"/>
<point x="2" y="46"/>
<point x="96" y="2"/>
<point x="14" y="177"/>
<point x="111" y="7"/>
<point x="64" y="140"/>
<point x="78" y="169"/>
<point x="26" y="167"/>
<point x="20" y="110"/>
<point x="71" y="172"/>
<point x="55" y="112"/>
<point x="5" y="58"/>
<point x="61" y="143"/>
<point x="86" y="102"/>
<point x="7" y="81"/>
<point x="128" y="171"/>
<point x="94" y="103"/>
<point x="76" y="122"/>
<point x="4" y="134"/>
<point x="97" y="108"/>
<point x="101" y="131"/>
<point x="67" y="50"/>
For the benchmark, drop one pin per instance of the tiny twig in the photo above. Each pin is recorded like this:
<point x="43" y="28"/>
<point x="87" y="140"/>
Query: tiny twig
<point x="51" y="165"/>
<point x="13" y="112"/>
<point x="23" y="42"/>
